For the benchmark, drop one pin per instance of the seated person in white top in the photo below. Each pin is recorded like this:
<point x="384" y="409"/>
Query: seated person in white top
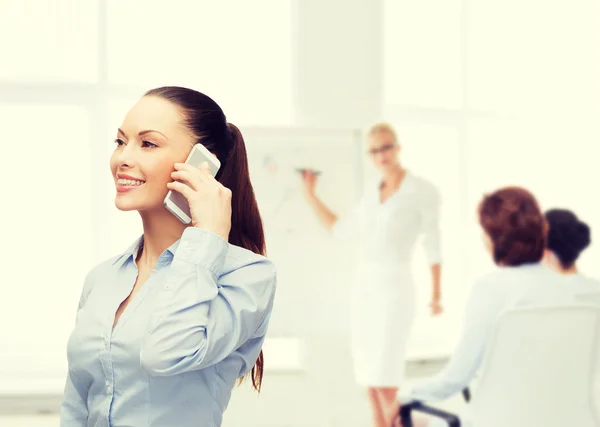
<point x="568" y="236"/>
<point x="515" y="235"/>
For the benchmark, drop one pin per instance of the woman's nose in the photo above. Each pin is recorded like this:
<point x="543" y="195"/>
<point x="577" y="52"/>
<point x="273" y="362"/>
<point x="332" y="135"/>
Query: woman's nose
<point x="126" y="156"/>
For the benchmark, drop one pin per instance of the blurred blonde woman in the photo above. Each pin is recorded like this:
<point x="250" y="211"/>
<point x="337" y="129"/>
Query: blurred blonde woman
<point x="393" y="213"/>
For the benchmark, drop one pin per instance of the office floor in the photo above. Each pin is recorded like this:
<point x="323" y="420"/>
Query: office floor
<point x="29" y="421"/>
<point x="292" y="408"/>
<point x="51" y="420"/>
<point x="322" y="395"/>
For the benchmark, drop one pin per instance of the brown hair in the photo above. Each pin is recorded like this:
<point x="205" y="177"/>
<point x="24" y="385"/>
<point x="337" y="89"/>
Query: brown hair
<point x="207" y="122"/>
<point x="512" y="219"/>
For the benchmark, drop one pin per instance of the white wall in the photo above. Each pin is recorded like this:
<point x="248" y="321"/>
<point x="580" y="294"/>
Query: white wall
<point x="487" y="94"/>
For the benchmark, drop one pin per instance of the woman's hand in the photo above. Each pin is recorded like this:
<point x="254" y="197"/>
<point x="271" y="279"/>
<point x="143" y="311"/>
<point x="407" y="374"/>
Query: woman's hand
<point x="436" y="307"/>
<point x="309" y="179"/>
<point x="210" y="202"/>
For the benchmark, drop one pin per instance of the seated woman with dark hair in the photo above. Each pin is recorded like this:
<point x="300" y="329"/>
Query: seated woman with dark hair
<point x="568" y="236"/>
<point x="514" y="232"/>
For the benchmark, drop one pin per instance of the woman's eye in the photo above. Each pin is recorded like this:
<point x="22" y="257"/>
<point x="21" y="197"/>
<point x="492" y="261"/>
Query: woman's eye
<point x="148" y="144"/>
<point x="119" y="141"/>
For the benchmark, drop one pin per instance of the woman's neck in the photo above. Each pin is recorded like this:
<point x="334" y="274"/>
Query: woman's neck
<point x="161" y="230"/>
<point x="570" y="270"/>
<point x="394" y="177"/>
<point x="556" y="266"/>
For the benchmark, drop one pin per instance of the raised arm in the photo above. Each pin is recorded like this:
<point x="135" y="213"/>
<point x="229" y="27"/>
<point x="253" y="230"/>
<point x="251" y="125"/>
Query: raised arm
<point x="203" y="313"/>
<point x="325" y="215"/>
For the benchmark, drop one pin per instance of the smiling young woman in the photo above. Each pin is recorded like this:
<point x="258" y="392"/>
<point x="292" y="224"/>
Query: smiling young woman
<point x="165" y="329"/>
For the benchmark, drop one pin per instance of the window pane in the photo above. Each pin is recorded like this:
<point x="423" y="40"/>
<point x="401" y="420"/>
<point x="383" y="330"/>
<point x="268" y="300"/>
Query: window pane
<point x="432" y="151"/>
<point x="556" y="161"/>
<point x="48" y="40"/>
<point x="47" y="235"/>
<point x="532" y="57"/>
<point x="236" y="51"/>
<point x="422" y="53"/>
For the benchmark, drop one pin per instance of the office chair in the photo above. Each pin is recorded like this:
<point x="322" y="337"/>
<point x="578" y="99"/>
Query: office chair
<point x="539" y="370"/>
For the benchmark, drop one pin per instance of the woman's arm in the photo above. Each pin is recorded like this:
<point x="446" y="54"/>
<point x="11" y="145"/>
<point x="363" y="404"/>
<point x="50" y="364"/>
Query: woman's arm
<point x="430" y="226"/>
<point x="325" y="215"/>
<point x="73" y="411"/>
<point x="482" y="311"/>
<point x="203" y="312"/>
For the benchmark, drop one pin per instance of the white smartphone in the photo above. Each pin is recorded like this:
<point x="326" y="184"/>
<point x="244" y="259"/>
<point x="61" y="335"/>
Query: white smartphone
<point x="175" y="202"/>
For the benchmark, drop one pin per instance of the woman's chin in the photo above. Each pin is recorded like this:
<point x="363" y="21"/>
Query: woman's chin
<point x="125" y="205"/>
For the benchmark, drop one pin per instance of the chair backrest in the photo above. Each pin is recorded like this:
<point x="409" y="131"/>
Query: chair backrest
<point x="538" y="369"/>
<point x="594" y="299"/>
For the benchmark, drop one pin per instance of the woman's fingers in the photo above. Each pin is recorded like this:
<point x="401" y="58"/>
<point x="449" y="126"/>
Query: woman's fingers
<point x="182" y="188"/>
<point x="196" y="174"/>
<point x="187" y="177"/>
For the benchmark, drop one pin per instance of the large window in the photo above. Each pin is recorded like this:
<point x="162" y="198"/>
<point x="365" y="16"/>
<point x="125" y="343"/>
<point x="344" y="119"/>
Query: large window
<point x="518" y="81"/>
<point x="70" y="71"/>
<point x="236" y="51"/>
<point x="49" y="41"/>
<point x="46" y="231"/>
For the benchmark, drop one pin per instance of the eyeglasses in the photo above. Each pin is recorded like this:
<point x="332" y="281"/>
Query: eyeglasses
<point x="383" y="149"/>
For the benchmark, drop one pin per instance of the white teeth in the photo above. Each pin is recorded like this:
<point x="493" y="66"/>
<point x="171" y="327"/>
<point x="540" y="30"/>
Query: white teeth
<point x="130" y="182"/>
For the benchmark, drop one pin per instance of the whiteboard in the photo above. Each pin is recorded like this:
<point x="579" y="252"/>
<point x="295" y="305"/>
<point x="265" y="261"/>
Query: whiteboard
<point x="314" y="275"/>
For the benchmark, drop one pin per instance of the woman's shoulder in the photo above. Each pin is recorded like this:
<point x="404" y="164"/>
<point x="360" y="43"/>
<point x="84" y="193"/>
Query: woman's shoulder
<point x="424" y="187"/>
<point x="421" y="180"/>
<point x="243" y="261"/>
<point x="239" y="257"/>
<point x="103" y="266"/>
<point x="583" y="283"/>
<point x="95" y="275"/>
<point x="508" y="278"/>
<point x="524" y="270"/>
<point x="490" y="279"/>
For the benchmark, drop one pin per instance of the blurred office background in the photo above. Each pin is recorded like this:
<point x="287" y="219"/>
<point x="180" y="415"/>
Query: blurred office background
<point x="483" y="93"/>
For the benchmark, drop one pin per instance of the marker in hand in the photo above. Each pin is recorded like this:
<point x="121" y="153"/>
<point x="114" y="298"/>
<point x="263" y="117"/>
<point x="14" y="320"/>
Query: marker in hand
<point x="303" y="171"/>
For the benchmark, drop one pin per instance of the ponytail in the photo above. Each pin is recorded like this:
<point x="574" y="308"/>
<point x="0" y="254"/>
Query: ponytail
<point x="205" y="120"/>
<point x="246" y="224"/>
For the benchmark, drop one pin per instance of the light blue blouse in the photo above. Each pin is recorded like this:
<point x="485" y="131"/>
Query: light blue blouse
<point x="173" y="358"/>
<point x="503" y="289"/>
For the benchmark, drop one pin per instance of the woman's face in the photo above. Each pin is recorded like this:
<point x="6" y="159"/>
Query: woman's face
<point x="383" y="149"/>
<point x="151" y="139"/>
